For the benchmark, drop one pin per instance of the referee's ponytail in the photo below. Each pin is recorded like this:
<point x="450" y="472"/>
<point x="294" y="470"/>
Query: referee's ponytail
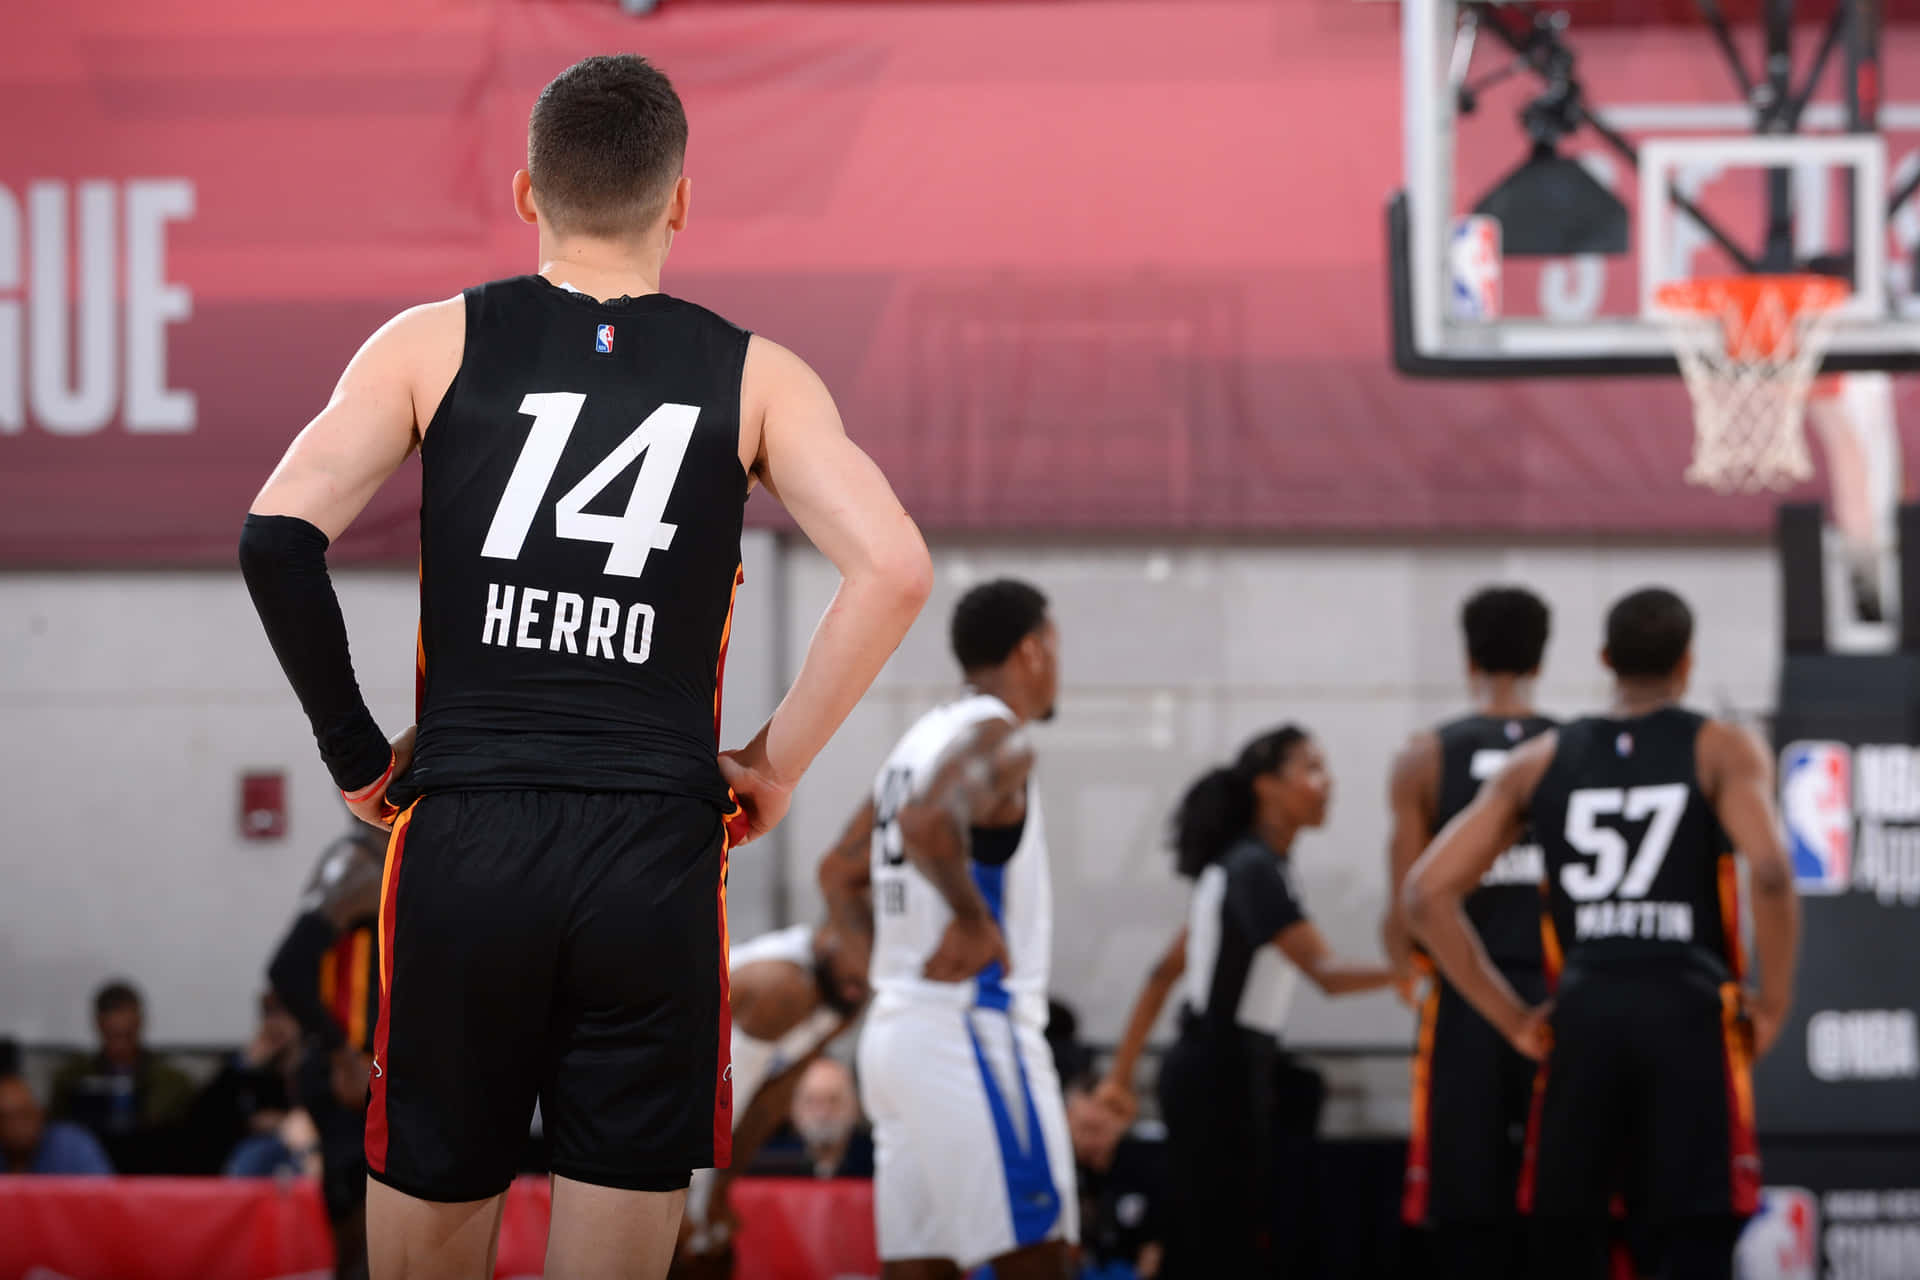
<point x="1219" y="807"/>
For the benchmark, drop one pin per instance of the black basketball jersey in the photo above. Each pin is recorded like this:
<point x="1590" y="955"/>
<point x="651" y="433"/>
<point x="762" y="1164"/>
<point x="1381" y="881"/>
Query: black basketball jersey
<point x="1638" y="867"/>
<point x="1505" y="909"/>
<point x="579" y="546"/>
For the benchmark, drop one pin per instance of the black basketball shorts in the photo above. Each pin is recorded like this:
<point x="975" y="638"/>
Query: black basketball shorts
<point x="1648" y="1094"/>
<point x="1471" y="1091"/>
<point x="558" y="946"/>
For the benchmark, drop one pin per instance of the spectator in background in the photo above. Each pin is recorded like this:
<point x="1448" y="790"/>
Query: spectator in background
<point x="132" y="1099"/>
<point x="28" y="1144"/>
<point x="246" y="1103"/>
<point x="826" y="1115"/>
<point x="1122" y="1182"/>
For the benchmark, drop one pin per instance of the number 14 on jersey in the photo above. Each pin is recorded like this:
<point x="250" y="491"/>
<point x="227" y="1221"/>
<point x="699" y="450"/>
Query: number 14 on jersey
<point x="631" y="536"/>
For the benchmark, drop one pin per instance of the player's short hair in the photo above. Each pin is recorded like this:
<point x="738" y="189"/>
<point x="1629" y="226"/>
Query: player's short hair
<point x="992" y="619"/>
<point x="115" y="995"/>
<point x="1506" y="629"/>
<point x="605" y="144"/>
<point x="1648" y="633"/>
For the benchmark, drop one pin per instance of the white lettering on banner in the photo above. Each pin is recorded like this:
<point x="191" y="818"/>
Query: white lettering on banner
<point x="603" y="617"/>
<point x="1863" y="1044"/>
<point x="1887" y="782"/>
<point x="85" y="352"/>
<point x="1883" y="1251"/>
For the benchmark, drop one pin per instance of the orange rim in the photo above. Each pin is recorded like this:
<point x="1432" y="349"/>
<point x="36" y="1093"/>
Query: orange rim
<point x="1758" y="314"/>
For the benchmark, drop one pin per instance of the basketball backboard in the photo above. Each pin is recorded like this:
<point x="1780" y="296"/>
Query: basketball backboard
<point x="1564" y="160"/>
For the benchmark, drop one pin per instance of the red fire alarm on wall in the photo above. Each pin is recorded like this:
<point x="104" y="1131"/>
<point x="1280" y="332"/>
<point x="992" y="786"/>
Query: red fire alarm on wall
<point x="263" y="806"/>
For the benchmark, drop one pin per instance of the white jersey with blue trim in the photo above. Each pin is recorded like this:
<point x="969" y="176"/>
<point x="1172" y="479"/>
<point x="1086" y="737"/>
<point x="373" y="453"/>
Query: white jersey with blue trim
<point x="909" y="913"/>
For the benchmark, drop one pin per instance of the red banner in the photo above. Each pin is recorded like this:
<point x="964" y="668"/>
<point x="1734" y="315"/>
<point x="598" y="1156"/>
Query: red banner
<point x="1094" y="266"/>
<point x="259" y="1229"/>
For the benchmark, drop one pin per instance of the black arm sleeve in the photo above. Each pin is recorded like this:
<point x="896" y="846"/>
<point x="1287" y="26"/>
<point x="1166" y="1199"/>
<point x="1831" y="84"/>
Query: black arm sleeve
<point x="1259" y="897"/>
<point x="295" y="975"/>
<point x="284" y="560"/>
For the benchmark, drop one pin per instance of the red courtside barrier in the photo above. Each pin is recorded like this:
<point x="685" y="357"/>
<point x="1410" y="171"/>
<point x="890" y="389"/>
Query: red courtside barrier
<point x="260" y="1229"/>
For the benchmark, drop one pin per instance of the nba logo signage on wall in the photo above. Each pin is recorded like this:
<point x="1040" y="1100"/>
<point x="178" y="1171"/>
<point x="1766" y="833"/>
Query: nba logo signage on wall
<point x="1473" y="268"/>
<point x="1780" y="1241"/>
<point x="1816" y="803"/>
<point x="603" y="339"/>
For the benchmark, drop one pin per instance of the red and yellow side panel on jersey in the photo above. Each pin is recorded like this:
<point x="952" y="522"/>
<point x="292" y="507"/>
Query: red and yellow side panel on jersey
<point x="346" y="988"/>
<point x="1743" y="1147"/>
<point x="389" y="912"/>
<point x="1419" y="1175"/>
<point x="1729" y="874"/>
<point x="1530" y="1154"/>
<point x="1551" y="957"/>
<point x="732" y="829"/>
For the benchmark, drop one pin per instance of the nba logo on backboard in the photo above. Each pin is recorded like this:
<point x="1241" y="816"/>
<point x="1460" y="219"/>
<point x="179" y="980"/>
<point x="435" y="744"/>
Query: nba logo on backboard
<point x="603" y="339"/>
<point x="1780" y="1242"/>
<point x="1473" y="268"/>
<point x="1816" y="803"/>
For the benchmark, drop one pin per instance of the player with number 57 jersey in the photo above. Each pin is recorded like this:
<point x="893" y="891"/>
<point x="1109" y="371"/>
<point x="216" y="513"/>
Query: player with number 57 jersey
<point x="1645" y="1087"/>
<point x="553" y="912"/>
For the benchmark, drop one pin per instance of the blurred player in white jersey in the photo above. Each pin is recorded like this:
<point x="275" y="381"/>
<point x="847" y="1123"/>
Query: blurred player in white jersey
<point x="790" y="993"/>
<point x="1853" y="414"/>
<point x="972" y="1157"/>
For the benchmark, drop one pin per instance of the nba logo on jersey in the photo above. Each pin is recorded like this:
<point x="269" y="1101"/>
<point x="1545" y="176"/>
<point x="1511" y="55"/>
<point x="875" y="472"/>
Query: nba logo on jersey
<point x="1780" y="1241"/>
<point x="603" y="339"/>
<point x="1816" y="803"/>
<point x="1473" y="268"/>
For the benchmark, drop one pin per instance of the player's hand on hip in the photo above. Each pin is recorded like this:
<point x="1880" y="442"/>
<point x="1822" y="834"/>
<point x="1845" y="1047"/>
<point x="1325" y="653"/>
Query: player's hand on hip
<point x="1765" y="1018"/>
<point x="969" y="945"/>
<point x="762" y="798"/>
<point x="369" y="804"/>
<point x="1533" y="1036"/>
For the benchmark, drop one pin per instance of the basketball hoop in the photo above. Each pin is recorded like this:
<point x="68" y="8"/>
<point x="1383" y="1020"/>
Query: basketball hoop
<point x="1749" y="347"/>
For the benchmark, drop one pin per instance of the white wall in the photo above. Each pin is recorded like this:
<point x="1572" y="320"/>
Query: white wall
<point x="131" y="703"/>
<point x="1174" y="656"/>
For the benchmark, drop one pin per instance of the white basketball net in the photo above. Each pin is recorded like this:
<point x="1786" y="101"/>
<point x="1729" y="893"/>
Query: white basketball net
<point x="1749" y="364"/>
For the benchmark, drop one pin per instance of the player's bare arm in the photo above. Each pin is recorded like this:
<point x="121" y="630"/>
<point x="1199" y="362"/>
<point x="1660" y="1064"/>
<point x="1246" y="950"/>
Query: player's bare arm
<point x="846" y="874"/>
<point x="1303" y="944"/>
<point x="1413" y="796"/>
<point x="792" y="441"/>
<point x="1438" y="885"/>
<point x="374" y="419"/>
<point x="981" y="782"/>
<point x="1737" y="773"/>
<point x="769" y="1109"/>
<point x="1116" y="1090"/>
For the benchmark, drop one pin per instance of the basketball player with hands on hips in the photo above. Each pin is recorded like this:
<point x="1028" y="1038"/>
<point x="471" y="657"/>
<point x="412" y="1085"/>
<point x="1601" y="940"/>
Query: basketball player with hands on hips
<point x="1470" y="1087"/>
<point x="553" y="911"/>
<point x="1648" y="1045"/>
<point x="973" y="1161"/>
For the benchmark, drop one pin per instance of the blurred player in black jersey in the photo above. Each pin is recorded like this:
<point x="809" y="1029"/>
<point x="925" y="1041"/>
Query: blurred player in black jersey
<point x="553" y="912"/>
<point x="1470" y="1087"/>
<point x="326" y="972"/>
<point x="1645" y="1083"/>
